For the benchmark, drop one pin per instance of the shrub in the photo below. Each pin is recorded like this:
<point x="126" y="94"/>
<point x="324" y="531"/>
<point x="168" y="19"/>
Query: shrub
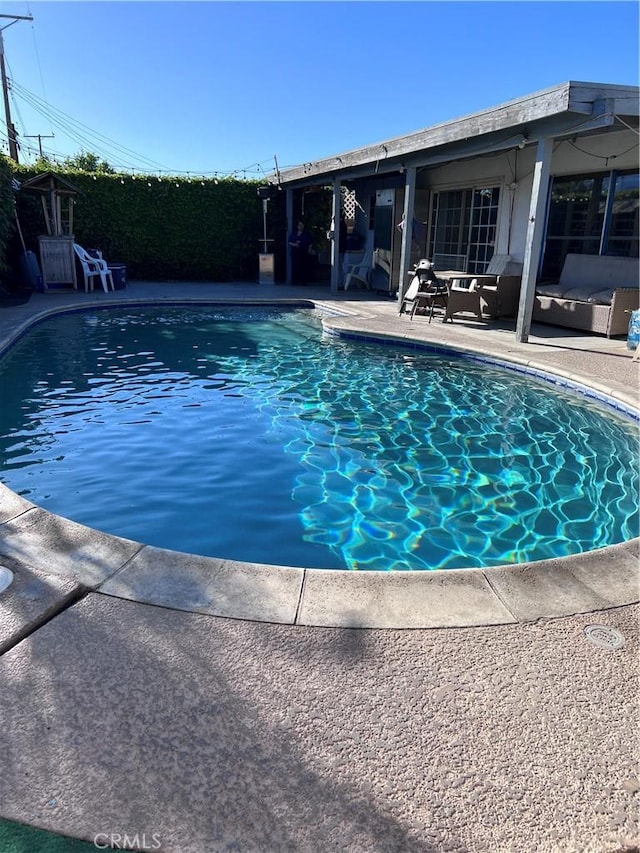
<point x="163" y="229"/>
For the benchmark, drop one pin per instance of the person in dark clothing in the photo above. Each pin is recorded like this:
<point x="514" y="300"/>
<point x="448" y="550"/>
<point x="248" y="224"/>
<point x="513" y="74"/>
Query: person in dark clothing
<point x="300" y="243"/>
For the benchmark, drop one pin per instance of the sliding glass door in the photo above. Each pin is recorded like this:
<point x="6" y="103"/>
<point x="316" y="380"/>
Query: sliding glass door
<point x="463" y="228"/>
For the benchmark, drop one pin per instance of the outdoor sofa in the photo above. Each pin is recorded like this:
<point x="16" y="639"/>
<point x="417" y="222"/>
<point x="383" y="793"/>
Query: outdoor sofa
<point x="595" y="293"/>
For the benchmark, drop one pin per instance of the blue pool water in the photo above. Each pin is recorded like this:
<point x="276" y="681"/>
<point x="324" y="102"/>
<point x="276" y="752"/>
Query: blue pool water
<point x="244" y="433"/>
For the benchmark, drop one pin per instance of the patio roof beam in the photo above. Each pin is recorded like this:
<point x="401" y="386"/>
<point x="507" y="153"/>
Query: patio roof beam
<point x="464" y="149"/>
<point x="504" y="117"/>
<point x="560" y="111"/>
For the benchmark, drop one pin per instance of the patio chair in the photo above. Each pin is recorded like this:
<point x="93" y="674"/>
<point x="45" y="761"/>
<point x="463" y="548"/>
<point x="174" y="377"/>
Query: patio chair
<point x="425" y="290"/>
<point x="361" y="272"/>
<point x="92" y="267"/>
<point x="500" y="298"/>
<point x="463" y="295"/>
<point x="411" y="294"/>
<point x="494" y="293"/>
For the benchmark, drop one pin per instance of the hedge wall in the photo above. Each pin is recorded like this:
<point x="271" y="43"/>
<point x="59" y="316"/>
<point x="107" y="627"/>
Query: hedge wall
<point x="7" y="215"/>
<point x="164" y="230"/>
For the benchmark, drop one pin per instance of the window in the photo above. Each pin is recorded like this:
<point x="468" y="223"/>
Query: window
<point x="482" y="236"/>
<point x="592" y="215"/>
<point x="622" y="226"/>
<point x="463" y="228"/>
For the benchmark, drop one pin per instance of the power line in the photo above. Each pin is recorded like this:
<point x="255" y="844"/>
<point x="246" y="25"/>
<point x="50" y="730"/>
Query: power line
<point x="109" y="149"/>
<point x="79" y="132"/>
<point x="37" y="53"/>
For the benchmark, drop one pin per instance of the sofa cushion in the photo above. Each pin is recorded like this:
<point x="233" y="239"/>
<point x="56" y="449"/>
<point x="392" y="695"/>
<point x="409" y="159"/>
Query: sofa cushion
<point x="594" y="293"/>
<point x="555" y="291"/>
<point x="586" y="293"/>
<point x="602" y="297"/>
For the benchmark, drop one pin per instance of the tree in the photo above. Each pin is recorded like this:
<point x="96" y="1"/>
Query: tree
<point x="87" y="161"/>
<point x="43" y="164"/>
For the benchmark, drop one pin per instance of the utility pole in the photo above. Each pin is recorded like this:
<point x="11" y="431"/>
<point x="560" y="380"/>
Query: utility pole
<point x="11" y="131"/>
<point x="39" y="137"/>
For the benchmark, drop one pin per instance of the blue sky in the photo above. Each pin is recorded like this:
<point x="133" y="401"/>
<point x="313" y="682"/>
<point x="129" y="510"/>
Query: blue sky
<point x="222" y="87"/>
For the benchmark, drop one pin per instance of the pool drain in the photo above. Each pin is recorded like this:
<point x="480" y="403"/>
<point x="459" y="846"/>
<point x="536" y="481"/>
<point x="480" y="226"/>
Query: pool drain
<point x="604" y="637"/>
<point x="6" y="578"/>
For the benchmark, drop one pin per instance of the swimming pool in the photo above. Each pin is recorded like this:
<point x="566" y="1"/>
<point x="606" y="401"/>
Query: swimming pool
<point x="244" y="433"/>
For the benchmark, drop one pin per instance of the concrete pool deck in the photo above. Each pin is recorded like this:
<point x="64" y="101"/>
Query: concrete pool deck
<point x="211" y="706"/>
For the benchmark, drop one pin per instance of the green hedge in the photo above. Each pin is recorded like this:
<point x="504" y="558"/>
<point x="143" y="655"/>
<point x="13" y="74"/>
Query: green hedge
<point x="7" y="215"/>
<point x="164" y="230"/>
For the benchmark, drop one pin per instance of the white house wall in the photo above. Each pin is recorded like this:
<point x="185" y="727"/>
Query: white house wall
<point x="496" y="170"/>
<point x="588" y="154"/>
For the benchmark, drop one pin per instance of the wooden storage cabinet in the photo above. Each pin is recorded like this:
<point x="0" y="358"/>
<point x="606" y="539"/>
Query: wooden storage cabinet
<point x="57" y="260"/>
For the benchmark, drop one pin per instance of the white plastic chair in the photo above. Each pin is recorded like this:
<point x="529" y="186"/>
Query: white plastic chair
<point x="361" y="272"/>
<point x="358" y="273"/>
<point x="92" y="267"/>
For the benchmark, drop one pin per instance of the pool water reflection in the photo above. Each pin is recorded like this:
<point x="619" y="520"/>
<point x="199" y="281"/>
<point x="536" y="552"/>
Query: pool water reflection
<point x="244" y="433"/>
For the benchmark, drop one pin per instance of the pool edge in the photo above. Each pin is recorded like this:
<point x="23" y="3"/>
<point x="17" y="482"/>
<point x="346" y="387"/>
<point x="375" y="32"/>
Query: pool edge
<point x="500" y="595"/>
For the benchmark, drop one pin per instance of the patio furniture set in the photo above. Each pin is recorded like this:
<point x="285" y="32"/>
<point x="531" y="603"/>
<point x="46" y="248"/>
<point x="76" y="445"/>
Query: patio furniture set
<point x="494" y="293"/>
<point x="595" y="293"/>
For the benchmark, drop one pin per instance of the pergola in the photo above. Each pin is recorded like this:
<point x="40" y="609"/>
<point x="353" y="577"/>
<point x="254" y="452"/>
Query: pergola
<point x="536" y="122"/>
<point x="56" y="247"/>
<point x="53" y="190"/>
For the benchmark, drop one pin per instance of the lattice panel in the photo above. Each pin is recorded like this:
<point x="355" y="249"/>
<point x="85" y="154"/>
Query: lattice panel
<point x="348" y="203"/>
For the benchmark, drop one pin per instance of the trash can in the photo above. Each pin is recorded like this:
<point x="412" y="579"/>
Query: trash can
<point x="119" y="273"/>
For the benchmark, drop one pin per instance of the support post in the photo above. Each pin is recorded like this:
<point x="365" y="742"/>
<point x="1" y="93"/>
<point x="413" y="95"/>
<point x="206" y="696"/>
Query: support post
<point x="335" y="242"/>
<point x="535" y="233"/>
<point x="289" y="209"/>
<point x="405" y="245"/>
<point x="11" y="131"/>
<point x="39" y="137"/>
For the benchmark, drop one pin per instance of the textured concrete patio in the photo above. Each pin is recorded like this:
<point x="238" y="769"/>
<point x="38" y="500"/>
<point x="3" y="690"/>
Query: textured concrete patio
<point x="263" y="716"/>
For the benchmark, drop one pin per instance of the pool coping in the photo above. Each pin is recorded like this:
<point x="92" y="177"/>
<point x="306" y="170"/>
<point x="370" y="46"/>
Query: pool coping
<point x="64" y="560"/>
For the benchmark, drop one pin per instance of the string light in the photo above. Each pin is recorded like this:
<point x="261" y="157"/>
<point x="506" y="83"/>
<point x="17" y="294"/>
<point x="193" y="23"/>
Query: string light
<point x="161" y="177"/>
<point x="252" y="172"/>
